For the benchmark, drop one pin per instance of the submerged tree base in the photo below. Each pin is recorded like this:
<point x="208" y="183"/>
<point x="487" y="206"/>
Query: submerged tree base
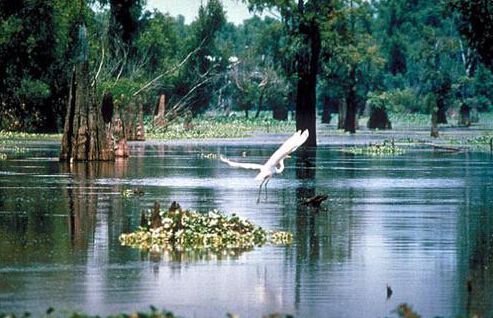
<point x="178" y="229"/>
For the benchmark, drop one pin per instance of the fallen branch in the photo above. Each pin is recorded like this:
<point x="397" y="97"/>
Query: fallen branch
<point x="445" y="148"/>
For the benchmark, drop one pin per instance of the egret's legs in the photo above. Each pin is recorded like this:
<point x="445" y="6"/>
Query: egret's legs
<point x="260" y="191"/>
<point x="265" y="186"/>
<point x="264" y="183"/>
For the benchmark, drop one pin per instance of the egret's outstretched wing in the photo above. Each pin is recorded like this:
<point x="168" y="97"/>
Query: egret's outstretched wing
<point x="241" y="164"/>
<point x="289" y="146"/>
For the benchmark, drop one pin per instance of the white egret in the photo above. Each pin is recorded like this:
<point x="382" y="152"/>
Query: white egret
<point x="275" y="164"/>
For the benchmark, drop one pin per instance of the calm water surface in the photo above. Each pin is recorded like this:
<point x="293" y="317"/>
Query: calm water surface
<point x="420" y="222"/>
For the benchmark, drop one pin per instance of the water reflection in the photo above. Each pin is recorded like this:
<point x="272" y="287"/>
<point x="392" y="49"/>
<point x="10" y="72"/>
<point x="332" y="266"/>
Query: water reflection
<point x="476" y="253"/>
<point x="419" y="222"/>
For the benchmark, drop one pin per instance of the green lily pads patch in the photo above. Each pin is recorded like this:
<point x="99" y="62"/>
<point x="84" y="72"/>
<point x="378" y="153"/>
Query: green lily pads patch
<point x="387" y="148"/>
<point x="182" y="230"/>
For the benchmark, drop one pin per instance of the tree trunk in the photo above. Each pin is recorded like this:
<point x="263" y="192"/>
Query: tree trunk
<point x="133" y="120"/>
<point x="431" y="105"/>
<point x="441" y="113"/>
<point x="260" y="102"/>
<point x="127" y="114"/>
<point x="465" y="115"/>
<point x="306" y="87"/>
<point x="434" y="124"/>
<point x="350" y="120"/>
<point x="326" y="110"/>
<point x="160" y="111"/>
<point x="86" y="136"/>
<point x="342" y="114"/>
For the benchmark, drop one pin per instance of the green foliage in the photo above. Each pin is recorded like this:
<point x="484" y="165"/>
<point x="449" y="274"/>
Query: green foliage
<point x="407" y="49"/>
<point x="202" y="69"/>
<point x="404" y="100"/>
<point x="33" y="73"/>
<point x="158" y="42"/>
<point x="352" y="60"/>
<point x="476" y="24"/>
<point x="379" y="100"/>
<point x="123" y="90"/>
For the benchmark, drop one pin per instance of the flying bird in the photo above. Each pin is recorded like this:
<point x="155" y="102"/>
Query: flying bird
<point x="275" y="164"/>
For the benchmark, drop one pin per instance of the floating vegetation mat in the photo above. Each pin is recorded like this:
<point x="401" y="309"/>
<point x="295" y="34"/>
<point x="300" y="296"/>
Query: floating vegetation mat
<point x="183" y="230"/>
<point x="387" y="148"/>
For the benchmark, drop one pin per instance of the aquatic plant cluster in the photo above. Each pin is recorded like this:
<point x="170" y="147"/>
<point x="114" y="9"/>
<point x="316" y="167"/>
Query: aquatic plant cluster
<point x="51" y="313"/>
<point x="178" y="229"/>
<point x="12" y="135"/>
<point x="481" y="142"/>
<point x="206" y="127"/>
<point x="378" y="149"/>
<point x="402" y="311"/>
<point x="10" y="148"/>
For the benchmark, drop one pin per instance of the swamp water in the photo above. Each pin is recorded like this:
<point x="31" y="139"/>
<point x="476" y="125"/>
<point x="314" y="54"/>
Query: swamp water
<point x="421" y="222"/>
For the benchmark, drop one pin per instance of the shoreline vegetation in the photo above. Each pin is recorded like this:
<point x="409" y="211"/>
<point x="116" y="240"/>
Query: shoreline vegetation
<point x="409" y="130"/>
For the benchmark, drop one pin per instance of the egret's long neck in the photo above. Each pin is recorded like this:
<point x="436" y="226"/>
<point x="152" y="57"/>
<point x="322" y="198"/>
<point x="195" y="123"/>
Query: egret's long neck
<point x="281" y="166"/>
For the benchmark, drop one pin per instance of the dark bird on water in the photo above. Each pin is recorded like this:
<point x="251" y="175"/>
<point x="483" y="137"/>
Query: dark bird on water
<point x="316" y="200"/>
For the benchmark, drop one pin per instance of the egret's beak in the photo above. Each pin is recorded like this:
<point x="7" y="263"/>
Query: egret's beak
<point x="288" y="156"/>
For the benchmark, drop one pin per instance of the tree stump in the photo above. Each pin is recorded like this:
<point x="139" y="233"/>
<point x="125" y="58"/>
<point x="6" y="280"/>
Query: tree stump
<point x="280" y="113"/>
<point x="379" y="119"/>
<point x="120" y="141"/>
<point x="160" y="110"/>
<point x="465" y="115"/>
<point x="431" y="103"/>
<point x="434" y="124"/>
<point x="85" y="133"/>
<point x="187" y="123"/>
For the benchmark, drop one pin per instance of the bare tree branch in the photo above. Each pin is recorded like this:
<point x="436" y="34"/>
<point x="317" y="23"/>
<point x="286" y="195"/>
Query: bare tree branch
<point x="171" y="70"/>
<point x="100" y="67"/>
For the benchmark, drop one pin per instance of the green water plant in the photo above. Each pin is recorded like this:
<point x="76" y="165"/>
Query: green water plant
<point x="153" y="312"/>
<point x="182" y="230"/>
<point x="52" y="313"/>
<point x="208" y="127"/>
<point x="387" y="148"/>
<point x="481" y="142"/>
<point x="11" y="136"/>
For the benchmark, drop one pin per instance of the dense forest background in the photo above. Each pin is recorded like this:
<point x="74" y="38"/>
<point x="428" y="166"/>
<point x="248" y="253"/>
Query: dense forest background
<point x="344" y="56"/>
